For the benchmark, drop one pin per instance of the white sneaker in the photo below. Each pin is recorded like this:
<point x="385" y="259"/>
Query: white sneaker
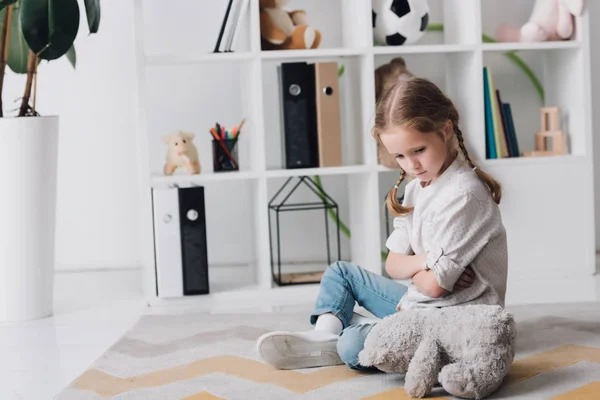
<point x="296" y="350"/>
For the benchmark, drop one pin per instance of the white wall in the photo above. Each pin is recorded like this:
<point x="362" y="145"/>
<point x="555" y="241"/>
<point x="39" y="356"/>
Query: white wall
<point x="97" y="194"/>
<point x="594" y="8"/>
<point x="97" y="220"/>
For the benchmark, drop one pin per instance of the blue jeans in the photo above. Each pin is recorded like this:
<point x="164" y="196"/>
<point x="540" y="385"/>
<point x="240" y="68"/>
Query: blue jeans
<point x="342" y="286"/>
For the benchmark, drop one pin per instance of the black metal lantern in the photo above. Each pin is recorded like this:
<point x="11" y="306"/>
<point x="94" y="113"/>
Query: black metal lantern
<point x="276" y="207"/>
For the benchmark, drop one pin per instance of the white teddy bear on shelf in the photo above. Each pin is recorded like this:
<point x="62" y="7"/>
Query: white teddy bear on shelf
<point x="550" y="20"/>
<point x="181" y="153"/>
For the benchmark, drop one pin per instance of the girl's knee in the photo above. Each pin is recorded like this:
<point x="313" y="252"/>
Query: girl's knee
<point x="351" y="342"/>
<point x="341" y="268"/>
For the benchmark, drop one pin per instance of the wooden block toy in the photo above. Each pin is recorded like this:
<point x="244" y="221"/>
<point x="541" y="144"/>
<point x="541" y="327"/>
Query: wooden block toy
<point x="550" y="140"/>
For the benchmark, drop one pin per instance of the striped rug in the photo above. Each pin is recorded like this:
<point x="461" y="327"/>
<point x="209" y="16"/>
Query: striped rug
<point x="201" y="356"/>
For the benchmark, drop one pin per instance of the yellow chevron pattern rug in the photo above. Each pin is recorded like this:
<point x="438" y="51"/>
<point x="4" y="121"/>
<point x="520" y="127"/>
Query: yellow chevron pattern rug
<point x="204" y="357"/>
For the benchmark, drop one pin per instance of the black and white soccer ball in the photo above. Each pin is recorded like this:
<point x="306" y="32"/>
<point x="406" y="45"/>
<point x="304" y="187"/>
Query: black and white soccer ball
<point x="399" y="22"/>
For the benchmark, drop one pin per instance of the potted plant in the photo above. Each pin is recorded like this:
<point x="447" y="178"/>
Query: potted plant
<point x="31" y="31"/>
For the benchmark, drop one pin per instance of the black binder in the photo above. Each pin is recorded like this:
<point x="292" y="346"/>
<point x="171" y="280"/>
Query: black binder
<point x="180" y="241"/>
<point x="193" y="241"/>
<point x="297" y="85"/>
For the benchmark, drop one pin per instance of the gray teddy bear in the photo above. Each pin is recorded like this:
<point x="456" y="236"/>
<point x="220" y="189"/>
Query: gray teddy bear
<point x="467" y="349"/>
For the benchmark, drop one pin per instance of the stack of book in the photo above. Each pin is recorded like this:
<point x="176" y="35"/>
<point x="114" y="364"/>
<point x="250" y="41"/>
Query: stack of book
<point x="500" y="135"/>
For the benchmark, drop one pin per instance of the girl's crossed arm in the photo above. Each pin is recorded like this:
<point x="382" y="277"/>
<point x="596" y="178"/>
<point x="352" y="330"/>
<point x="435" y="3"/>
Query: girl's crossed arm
<point x="403" y="266"/>
<point x="461" y="231"/>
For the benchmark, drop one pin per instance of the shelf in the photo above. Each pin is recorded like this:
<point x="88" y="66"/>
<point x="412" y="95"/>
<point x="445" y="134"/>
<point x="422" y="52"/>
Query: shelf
<point x="311" y="53"/>
<point x="160" y="180"/>
<point x="440" y="48"/>
<point x="514" y="161"/>
<point x="187" y="87"/>
<point x="568" y="44"/>
<point x="347" y="170"/>
<point x="520" y="161"/>
<point x="202" y="58"/>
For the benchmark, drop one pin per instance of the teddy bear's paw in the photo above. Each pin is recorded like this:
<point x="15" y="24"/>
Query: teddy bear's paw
<point x="531" y="32"/>
<point x="310" y="36"/>
<point x="303" y="37"/>
<point x="458" y="381"/>
<point x="416" y="390"/>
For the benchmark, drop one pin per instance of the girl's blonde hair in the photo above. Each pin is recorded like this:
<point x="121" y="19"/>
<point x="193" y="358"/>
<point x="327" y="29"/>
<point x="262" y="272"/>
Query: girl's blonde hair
<point x="419" y="104"/>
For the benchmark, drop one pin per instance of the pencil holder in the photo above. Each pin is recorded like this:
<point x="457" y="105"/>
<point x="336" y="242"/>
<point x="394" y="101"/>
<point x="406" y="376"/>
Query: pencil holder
<point x="225" y="155"/>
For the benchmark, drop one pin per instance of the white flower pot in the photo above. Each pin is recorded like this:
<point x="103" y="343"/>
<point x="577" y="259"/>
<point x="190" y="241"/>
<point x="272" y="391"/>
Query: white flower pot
<point x="28" y="163"/>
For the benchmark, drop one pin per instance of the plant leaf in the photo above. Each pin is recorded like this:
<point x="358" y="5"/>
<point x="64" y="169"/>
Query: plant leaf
<point x="72" y="56"/>
<point x="49" y="26"/>
<point x="17" y="47"/>
<point x="6" y="3"/>
<point x="92" y="10"/>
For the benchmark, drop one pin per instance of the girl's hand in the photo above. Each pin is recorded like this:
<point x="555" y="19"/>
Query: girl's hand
<point x="466" y="279"/>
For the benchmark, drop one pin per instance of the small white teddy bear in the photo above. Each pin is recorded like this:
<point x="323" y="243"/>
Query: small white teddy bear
<point x="468" y="349"/>
<point x="181" y="153"/>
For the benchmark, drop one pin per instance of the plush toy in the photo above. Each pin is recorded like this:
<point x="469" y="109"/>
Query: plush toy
<point x="181" y="153"/>
<point x="285" y="30"/>
<point x="549" y="20"/>
<point x="386" y="76"/>
<point x="468" y="349"/>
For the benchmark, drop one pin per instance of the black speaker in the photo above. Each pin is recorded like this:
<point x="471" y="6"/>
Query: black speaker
<point x="299" y="111"/>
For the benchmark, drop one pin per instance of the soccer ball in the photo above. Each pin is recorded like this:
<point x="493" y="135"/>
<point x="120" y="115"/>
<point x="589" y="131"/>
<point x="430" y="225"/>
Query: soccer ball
<point x="398" y="22"/>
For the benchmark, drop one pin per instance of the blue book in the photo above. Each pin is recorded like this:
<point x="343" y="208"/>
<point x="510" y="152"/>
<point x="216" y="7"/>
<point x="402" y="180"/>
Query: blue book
<point x="512" y="134"/>
<point x="490" y="143"/>
<point x="506" y="137"/>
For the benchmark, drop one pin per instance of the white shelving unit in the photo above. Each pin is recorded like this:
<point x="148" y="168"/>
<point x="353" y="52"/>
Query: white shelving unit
<point x="547" y="202"/>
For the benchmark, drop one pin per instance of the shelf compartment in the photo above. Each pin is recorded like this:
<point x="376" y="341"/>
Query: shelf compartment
<point x="560" y="73"/>
<point x="445" y="26"/>
<point x="230" y="226"/>
<point x="303" y="229"/>
<point x="353" y="125"/>
<point x="457" y="75"/>
<point x="183" y="99"/>
<point x="531" y="197"/>
<point x="193" y="28"/>
<point x="346" y="30"/>
<point x="516" y="13"/>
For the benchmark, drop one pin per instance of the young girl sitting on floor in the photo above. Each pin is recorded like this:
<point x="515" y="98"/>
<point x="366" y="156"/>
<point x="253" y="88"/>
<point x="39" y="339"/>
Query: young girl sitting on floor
<point x="448" y="237"/>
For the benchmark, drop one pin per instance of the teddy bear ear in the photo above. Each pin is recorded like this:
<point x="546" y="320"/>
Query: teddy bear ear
<point x="189" y="136"/>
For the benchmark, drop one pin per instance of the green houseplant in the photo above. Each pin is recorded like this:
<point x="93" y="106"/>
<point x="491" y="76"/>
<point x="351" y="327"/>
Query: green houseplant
<point x="31" y="31"/>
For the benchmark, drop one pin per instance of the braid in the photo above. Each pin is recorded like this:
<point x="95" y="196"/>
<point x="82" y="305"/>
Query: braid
<point x="461" y="145"/>
<point x="492" y="185"/>
<point x="392" y="204"/>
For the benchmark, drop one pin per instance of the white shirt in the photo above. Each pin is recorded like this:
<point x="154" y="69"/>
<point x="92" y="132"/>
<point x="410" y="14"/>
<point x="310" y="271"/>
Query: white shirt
<point x="456" y="221"/>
